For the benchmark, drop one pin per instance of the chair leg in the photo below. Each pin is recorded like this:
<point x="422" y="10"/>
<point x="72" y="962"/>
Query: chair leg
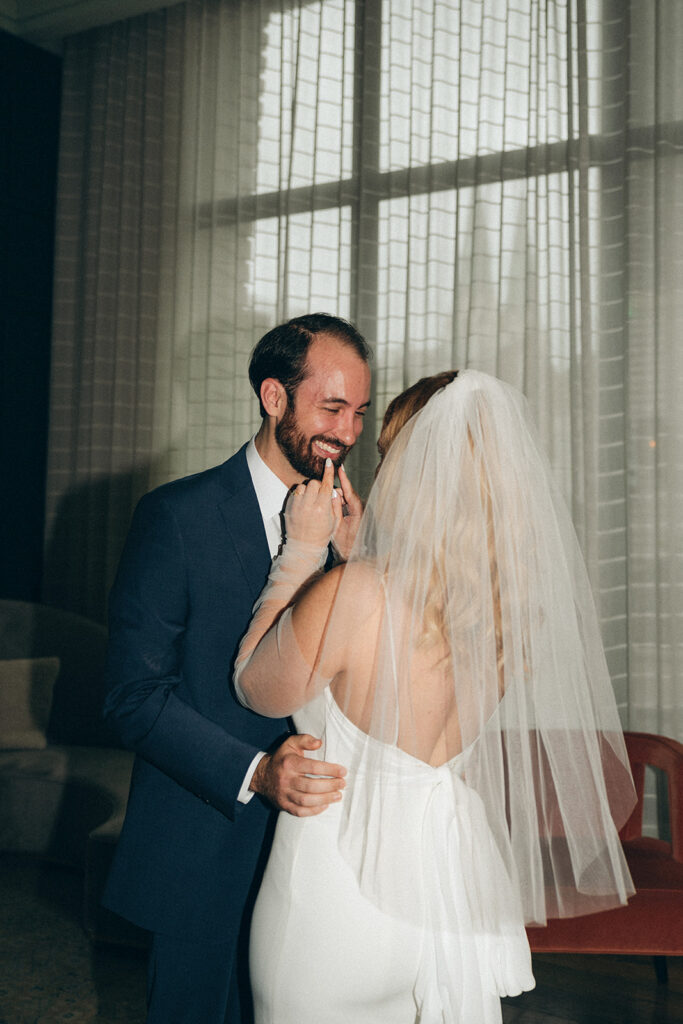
<point x="661" y="969"/>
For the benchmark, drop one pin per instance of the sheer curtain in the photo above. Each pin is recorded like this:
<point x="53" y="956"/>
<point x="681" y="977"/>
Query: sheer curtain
<point x="474" y="182"/>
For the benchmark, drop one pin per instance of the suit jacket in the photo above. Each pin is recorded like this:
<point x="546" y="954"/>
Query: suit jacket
<point x="195" y="560"/>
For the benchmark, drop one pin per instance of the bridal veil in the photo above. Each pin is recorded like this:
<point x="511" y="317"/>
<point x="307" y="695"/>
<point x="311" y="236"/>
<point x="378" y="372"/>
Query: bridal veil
<point x="487" y="666"/>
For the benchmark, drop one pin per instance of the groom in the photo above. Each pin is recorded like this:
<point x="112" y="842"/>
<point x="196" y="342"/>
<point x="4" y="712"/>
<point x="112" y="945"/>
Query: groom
<point x="208" y="773"/>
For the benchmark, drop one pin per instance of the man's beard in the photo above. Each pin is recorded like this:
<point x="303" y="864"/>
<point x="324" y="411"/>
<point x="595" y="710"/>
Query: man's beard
<point x="299" y="449"/>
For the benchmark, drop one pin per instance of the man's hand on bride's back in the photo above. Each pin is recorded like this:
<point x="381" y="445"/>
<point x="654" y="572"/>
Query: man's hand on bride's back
<point x="297" y="784"/>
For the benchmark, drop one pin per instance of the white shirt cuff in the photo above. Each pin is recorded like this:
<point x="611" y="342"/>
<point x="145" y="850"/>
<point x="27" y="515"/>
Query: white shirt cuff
<point x="245" y="794"/>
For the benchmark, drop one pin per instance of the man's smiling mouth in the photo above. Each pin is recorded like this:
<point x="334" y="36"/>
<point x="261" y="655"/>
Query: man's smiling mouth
<point x="329" y="449"/>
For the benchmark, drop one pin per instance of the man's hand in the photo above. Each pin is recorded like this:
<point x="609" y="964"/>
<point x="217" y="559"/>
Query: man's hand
<point x="352" y="512"/>
<point x="283" y="778"/>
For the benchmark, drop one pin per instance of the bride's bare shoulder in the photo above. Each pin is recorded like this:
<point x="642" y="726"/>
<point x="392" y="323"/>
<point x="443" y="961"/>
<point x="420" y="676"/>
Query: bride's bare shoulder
<point x="358" y="581"/>
<point x="353" y="587"/>
<point x="342" y="603"/>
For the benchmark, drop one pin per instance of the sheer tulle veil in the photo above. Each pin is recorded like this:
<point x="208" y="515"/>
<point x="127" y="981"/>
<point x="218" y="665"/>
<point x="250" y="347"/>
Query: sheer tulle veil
<point x="487" y="666"/>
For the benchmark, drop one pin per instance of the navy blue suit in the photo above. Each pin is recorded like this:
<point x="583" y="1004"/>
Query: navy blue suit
<point x="195" y="560"/>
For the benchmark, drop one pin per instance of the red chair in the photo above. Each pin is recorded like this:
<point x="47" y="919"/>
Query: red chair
<point x="652" y="922"/>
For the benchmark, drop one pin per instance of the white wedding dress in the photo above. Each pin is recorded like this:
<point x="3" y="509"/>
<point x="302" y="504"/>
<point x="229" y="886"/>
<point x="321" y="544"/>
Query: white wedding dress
<point x="323" y="953"/>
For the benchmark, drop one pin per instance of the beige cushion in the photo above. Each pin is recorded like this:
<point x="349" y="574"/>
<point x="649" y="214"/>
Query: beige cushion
<point x="25" y="698"/>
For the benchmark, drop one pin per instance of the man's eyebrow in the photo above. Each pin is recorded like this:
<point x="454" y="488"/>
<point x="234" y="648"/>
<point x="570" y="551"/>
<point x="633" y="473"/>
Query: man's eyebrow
<point x="342" y="401"/>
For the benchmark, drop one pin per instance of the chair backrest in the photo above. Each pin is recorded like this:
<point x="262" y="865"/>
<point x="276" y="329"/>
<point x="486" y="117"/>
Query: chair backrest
<point x="667" y="755"/>
<point x="34" y="630"/>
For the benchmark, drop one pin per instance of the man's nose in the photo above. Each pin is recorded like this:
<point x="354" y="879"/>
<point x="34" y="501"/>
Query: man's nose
<point x="347" y="430"/>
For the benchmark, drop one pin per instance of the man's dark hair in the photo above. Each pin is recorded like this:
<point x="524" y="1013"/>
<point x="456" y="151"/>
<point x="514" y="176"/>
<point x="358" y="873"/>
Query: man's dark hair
<point x="281" y="353"/>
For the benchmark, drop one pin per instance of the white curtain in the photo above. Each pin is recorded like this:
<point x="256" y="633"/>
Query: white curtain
<point x="483" y="183"/>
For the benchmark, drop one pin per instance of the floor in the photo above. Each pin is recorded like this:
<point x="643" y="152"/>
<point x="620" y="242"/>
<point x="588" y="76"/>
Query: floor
<point x="598" y="990"/>
<point x="49" y="970"/>
<point x="50" y="973"/>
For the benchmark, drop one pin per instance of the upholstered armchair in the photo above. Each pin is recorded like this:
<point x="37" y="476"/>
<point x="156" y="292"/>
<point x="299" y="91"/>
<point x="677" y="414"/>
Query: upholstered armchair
<point x="63" y="782"/>
<point x="652" y="922"/>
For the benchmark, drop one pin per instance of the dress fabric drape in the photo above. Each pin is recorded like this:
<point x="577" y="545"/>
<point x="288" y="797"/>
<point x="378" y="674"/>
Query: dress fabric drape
<point x="476" y="184"/>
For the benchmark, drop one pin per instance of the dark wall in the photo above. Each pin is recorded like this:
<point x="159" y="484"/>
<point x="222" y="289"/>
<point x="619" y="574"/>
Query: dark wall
<point x="29" y="128"/>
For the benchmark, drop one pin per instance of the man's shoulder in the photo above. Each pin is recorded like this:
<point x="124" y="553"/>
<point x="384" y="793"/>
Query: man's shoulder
<point x="215" y="483"/>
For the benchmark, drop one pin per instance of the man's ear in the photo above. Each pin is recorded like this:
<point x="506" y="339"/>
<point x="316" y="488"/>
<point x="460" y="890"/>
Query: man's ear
<point x="273" y="398"/>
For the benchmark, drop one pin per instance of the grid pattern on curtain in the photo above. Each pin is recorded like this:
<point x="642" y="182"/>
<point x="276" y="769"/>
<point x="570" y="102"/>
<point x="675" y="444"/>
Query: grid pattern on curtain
<point x="474" y="182"/>
<point x="117" y="189"/>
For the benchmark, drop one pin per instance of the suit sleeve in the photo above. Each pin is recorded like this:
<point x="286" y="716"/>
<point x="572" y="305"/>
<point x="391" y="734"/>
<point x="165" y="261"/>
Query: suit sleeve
<point x="148" y="610"/>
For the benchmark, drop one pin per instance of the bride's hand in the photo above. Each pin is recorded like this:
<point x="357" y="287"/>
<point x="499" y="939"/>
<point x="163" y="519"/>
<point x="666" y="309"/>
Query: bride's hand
<point x="313" y="510"/>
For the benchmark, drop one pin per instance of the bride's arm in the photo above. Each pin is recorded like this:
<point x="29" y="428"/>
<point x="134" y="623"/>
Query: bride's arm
<point x="284" y="671"/>
<point x="272" y="675"/>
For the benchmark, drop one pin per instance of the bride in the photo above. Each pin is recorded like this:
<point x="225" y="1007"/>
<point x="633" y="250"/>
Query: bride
<point x="454" y="665"/>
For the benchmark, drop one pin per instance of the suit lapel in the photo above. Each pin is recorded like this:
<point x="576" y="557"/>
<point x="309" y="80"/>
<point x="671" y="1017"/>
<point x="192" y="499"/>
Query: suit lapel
<point x="242" y="518"/>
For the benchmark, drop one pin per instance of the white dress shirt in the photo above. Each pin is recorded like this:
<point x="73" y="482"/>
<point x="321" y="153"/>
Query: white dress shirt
<point x="270" y="494"/>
